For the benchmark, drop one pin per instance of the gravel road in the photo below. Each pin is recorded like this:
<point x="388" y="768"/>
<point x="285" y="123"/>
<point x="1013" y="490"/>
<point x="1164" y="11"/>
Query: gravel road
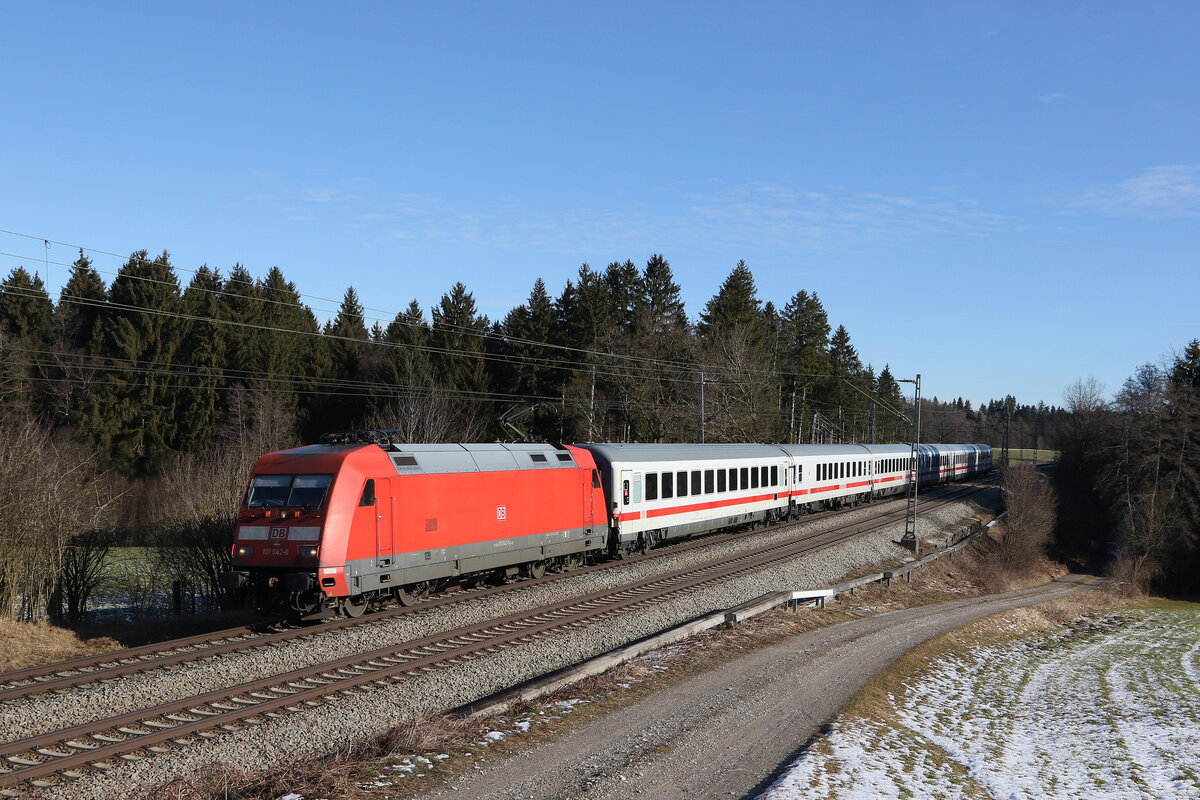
<point x="333" y="725"/>
<point x="727" y="732"/>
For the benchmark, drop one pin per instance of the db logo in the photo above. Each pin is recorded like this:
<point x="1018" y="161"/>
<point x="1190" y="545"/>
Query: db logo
<point x="278" y="533"/>
<point x="501" y="512"/>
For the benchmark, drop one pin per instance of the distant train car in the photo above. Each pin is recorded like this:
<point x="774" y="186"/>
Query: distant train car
<point x="335" y="527"/>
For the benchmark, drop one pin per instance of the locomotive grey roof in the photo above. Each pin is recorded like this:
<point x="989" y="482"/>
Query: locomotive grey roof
<point x="423" y="459"/>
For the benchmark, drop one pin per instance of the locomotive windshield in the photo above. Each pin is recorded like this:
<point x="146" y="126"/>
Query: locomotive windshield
<point x="290" y="491"/>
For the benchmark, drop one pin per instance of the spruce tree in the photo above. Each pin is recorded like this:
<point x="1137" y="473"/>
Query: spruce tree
<point x="662" y="301"/>
<point x="623" y="283"/>
<point x="25" y="325"/>
<point x="457" y="336"/>
<point x="346" y="383"/>
<point x="202" y="358"/>
<point x="735" y="307"/>
<point x="289" y="349"/>
<point x="132" y="415"/>
<point x="25" y="310"/>
<point x="79" y="306"/>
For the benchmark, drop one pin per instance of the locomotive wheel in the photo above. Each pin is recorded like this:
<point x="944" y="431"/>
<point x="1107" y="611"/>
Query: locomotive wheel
<point x="304" y="603"/>
<point x="413" y="593"/>
<point x="354" y="607"/>
<point x="535" y="569"/>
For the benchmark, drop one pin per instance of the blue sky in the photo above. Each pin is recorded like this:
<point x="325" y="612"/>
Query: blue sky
<point x="1024" y="177"/>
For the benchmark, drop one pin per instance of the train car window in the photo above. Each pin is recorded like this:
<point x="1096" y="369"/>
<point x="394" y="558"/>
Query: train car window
<point x="763" y="475"/>
<point x="695" y="481"/>
<point x="681" y="483"/>
<point x="651" y="485"/>
<point x="775" y="475"/>
<point x="625" y="491"/>
<point x="733" y="484"/>
<point x="754" y="477"/>
<point x="668" y="485"/>
<point x="721" y="480"/>
<point x="744" y="480"/>
<point x="710" y="485"/>
<point x="368" y="495"/>
<point x="800" y="474"/>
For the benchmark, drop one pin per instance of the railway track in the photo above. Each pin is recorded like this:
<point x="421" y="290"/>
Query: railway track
<point x="101" y="745"/>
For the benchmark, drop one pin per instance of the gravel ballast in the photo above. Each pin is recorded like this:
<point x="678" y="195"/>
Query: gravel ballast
<point x="345" y="719"/>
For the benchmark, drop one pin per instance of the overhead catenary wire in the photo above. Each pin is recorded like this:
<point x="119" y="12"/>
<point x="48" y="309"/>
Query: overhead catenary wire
<point x="687" y="378"/>
<point x="687" y="368"/>
<point x="467" y="330"/>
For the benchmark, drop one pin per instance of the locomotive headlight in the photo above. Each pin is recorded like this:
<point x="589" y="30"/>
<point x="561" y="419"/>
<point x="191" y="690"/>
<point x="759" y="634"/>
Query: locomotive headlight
<point x="309" y="551"/>
<point x="243" y="550"/>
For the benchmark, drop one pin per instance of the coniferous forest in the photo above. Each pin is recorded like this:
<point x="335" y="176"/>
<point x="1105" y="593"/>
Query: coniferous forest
<point x="135" y="405"/>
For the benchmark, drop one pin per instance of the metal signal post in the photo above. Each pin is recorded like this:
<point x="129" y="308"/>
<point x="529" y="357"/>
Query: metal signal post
<point x="910" y="523"/>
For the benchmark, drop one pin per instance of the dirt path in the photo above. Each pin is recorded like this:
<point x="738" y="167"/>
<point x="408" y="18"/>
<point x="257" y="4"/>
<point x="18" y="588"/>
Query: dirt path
<point x="725" y="732"/>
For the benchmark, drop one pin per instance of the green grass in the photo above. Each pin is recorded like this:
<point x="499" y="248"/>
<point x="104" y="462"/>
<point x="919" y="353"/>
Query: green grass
<point x="1022" y="454"/>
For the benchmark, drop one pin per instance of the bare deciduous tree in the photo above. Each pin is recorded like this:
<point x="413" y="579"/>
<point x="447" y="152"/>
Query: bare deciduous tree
<point x="1032" y="509"/>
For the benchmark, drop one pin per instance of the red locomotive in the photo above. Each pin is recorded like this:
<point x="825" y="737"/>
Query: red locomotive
<point x="334" y="527"/>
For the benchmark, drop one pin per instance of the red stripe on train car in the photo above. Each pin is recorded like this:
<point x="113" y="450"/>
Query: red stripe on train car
<point x="663" y="512"/>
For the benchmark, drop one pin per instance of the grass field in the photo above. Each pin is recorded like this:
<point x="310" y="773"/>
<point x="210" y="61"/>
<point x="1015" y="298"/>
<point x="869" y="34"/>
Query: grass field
<point x="1105" y="708"/>
<point x="1018" y="454"/>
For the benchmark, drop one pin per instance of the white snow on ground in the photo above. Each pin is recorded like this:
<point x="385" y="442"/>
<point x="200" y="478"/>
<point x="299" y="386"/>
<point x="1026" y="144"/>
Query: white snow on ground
<point x="1102" y="709"/>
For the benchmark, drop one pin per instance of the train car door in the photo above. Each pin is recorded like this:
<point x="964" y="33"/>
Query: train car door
<point x="384" y="515"/>
<point x="590" y="484"/>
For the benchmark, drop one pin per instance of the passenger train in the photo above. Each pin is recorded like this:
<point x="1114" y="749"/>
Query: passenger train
<point x="335" y="527"/>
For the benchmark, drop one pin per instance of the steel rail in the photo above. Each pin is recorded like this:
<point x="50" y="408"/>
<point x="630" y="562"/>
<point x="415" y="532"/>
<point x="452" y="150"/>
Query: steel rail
<point x="202" y="716"/>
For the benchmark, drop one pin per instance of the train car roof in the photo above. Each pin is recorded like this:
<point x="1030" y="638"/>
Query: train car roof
<point x="637" y="453"/>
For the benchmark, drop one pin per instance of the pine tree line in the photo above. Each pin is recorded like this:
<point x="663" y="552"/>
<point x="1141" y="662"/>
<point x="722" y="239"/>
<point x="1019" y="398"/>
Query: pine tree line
<point x="146" y="368"/>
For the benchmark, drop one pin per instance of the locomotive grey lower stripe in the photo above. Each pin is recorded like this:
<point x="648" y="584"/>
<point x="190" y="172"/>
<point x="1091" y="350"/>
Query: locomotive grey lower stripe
<point x="369" y="574"/>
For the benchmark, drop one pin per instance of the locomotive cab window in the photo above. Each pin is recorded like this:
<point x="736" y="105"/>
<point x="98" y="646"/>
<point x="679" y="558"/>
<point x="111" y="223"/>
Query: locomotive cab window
<point x="288" y="491"/>
<point x="368" y="495"/>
